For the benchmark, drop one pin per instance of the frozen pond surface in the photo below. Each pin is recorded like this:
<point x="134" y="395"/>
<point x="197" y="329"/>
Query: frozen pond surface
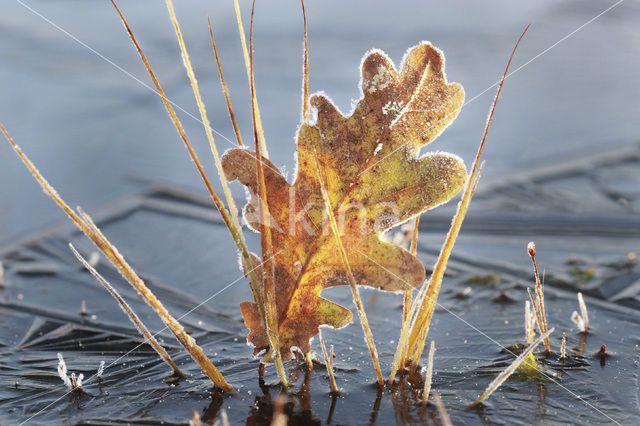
<point x="563" y="169"/>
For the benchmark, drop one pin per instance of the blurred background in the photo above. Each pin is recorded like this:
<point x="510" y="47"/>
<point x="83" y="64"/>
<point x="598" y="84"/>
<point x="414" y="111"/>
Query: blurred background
<point x="69" y="95"/>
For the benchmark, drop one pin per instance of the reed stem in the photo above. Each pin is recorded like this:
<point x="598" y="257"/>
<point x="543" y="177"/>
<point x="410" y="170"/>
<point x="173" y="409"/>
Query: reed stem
<point x="266" y="242"/>
<point x="247" y="63"/>
<point x="131" y="314"/>
<point x="422" y="318"/>
<point x="352" y="282"/>
<point x="328" y="361"/>
<point x="232" y="115"/>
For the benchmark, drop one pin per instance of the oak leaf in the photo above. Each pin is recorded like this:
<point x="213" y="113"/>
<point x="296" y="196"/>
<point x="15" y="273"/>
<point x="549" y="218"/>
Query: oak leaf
<point x="375" y="179"/>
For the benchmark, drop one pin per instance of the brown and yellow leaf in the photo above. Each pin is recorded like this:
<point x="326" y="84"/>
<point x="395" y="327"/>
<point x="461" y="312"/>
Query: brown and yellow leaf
<point x="375" y="179"/>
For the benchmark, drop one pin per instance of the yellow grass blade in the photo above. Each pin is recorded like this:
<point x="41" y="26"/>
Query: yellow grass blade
<point x="429" y="374"/>
<point x="422" y="318"/>
<point x="352" y="282"/>
<point x="266" y="241"/>
<point x="247" y="63"/>
<point x="232" y="115"/>
<point x="305" y="69"/>
<point x="542" y="316"/>
<point x="131" y="314"/>
<point x="203" y="114"/>
<point x="328" y="361"/>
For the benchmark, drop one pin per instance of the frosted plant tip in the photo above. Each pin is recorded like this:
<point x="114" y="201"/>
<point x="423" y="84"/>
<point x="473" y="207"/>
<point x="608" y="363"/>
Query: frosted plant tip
<point x="531" y="248"/>
<point x="578" y="321"/>
<point x="73" y="383"/>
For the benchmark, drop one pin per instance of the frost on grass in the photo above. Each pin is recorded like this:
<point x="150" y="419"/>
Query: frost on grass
<point x="73" y="383"/>
<point x="581" y="320"/>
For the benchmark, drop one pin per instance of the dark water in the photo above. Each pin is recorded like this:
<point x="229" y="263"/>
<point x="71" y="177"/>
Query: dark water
<point x="563" y="170"/>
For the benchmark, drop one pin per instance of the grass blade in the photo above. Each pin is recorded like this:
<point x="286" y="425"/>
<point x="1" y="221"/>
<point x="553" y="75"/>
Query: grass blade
<point x="131" y="314"/>
<point x="539" y="306"/>
<point x="352" y="282"/>
<point x="203" y="114"/>
<point x="495" y="384"/>
<point x="442" y="410"/>
<point x="266" y="242"/>
<point x="429" y="374"/>
<point x="328" y="361"/>
<point x="232" y="115"/>
<point x="422" y="318"/>
<point x="247" y="63"/>
<point x="305" y="69"/>
<point x="583" y="312"/>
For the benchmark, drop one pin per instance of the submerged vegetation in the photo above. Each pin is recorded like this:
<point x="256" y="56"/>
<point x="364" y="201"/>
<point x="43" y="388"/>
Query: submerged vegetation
<point x="358" y="176"/>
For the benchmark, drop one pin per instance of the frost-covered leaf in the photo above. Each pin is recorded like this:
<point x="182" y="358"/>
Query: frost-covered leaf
<point x="375" y="179"/>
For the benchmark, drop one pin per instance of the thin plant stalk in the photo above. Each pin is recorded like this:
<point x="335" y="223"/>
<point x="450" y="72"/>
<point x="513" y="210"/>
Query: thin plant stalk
<point x="427" y="307"/>
<point x="305" y="69"/>
<point x="536" y="309"/>
<point x="413" y="248"/>
<point x="429" y="374"/>
<point x="328" y="361"/>
<point x="176" y="328"/>
<point x="402" y="351"/>
<point x="347" y="266"/>
<point x="418" y="350"/>
<point x="203" y="114"/>
<point x="442" y="410"/>
<point x="266" y="242"/>
<point x="236" y="233"/>
<point x="528" y="322"/>
<point x="531" y="249"/>
<point x="132" y="315"/>
<point x="583" y="312"/>
<point x="563" y="346"/>
<point x="247" y="63"/>
<point x="111" y="252"/>
<point x="232" y="115"/>
<point x="309" y="360"/>
<point x="205" y="120"/>
<point x="422" y="318"/>
<point x="305" y="100"/>
<point x="498" y="381"/>
<point x="399" y="365"/>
